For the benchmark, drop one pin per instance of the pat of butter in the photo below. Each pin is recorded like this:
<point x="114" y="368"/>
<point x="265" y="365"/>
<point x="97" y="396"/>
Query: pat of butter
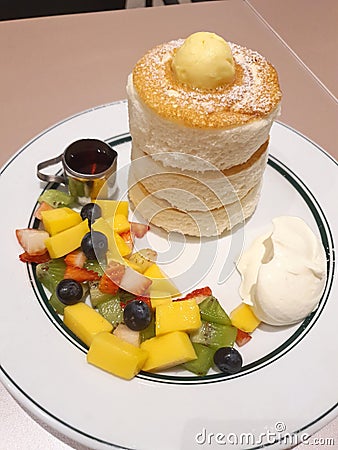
<point x="204" y="61"/>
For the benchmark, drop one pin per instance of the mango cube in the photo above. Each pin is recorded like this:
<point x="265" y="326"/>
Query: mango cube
<point x="119" y="223"/>
<point x="110" y="353"/>
<point x="103" y="226"/>
<point x="99" y="188"/>
<point x="85" y="322"/>
<point x="111" y="207"/>
<point x="117" y="248"/>
<point x="160" y="282"/>
<point x="157" y="298"/>
<point x="177" y="316"/>
<point x="132" y="265"/>
<point x="168" y="350"/>
<point x="122" y="247"/>
<point x="243" y="317"/>
<point x="59" y="219"/>
<point x="66" y="241"/>
<point x="142" y="260"/>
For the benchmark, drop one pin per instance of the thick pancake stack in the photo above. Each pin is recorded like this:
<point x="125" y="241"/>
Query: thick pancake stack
<point x="198" y="155"/>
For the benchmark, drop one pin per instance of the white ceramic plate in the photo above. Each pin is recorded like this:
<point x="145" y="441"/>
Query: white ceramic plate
<point x="288" y="386"/>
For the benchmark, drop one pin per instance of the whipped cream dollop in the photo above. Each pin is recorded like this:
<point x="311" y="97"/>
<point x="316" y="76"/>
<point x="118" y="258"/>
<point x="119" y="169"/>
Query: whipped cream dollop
<point x="283" y="272"/>
<point x="204" y="61"/>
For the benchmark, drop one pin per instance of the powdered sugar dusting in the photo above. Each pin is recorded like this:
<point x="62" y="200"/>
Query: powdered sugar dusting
<point x="253" y="94"/>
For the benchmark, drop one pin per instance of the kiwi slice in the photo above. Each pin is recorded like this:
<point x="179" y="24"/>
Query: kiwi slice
<point x="214" y="335"/>
<point x="56" y="198"/>
<point x="126" y="296"/>
<point x="94" y="265"/>
<point x="76" y="188"/>
<point x="212" y="311"/>
<point x="148" y="332"/>
<point x="204" y="361"/>
<point x="96" y="296"/>
<point x="56" y="304"/>
<point x="50" y="273"/>
<point x="111" y="310"/>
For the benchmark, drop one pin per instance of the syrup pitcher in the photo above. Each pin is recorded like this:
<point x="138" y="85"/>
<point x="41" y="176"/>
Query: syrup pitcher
<point x="89" y="167"/>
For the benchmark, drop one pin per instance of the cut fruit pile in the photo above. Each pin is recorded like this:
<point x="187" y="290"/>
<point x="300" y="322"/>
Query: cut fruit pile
<point x="119" y="302"/>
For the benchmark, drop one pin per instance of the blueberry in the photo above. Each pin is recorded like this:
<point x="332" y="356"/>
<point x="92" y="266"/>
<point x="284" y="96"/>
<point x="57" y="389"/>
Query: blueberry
<point x="69" y="291"/>
<point x="91" y="211"/>
<point x="228" y="360"/>
<point x="137" y="315"/>
<point x="94" y="244"/>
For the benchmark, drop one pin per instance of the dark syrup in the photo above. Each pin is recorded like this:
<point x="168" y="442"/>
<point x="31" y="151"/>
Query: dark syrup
<point x="89" y="158"/>
<point x="91" y="162"/>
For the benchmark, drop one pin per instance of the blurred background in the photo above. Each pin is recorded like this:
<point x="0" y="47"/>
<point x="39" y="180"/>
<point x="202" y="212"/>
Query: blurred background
<point x="20" y="9"/>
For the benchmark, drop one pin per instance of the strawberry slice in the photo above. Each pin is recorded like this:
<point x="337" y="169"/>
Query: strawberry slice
<point x="198" y="294"/>
<point x="138" y="229"/>
<point x="76" y="259"/>
<point x="80" y="274"/>
<point x="242" y="337"/>
<point x="32" y="240"/>
<point x="128" y="279"/>
<point x="27" y="258"/>
<point x="42" y="207"/>
<point x="128" y="238"/>
<point x="107" y="286"/>
<point x="110" y="280"/>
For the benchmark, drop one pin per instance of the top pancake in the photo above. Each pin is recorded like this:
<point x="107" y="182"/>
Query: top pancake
<point x="253" y="94"/>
